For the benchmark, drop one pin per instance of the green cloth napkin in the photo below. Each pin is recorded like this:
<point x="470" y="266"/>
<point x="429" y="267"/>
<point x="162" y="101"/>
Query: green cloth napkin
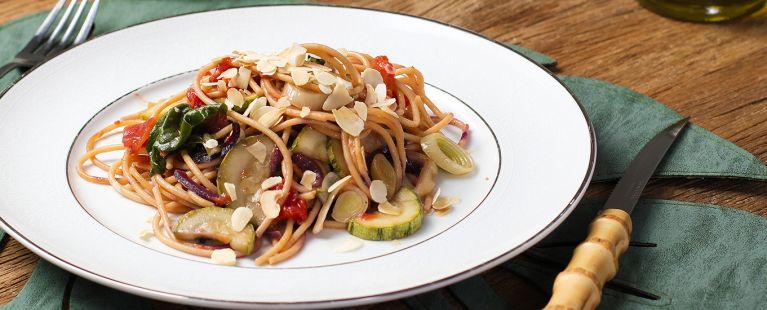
<point x="623" y="121"/>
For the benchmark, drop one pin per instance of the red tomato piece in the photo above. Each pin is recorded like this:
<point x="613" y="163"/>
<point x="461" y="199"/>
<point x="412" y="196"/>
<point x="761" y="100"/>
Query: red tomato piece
<point x="194" y="101"/>
<point x="222" y="66"/>
<point x="135" y="136"/>
<point x="386" y="69"/>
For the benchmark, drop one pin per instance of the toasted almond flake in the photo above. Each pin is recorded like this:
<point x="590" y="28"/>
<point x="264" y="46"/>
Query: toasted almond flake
<point x="269" y="204"/>
<point x="258" y="150"/>
<point x="325" y="89"/>
<point x="325" y="78"/>
<point x="308" y="178"/>
<point x="234" y="98"/>
<point x="343" y="82"/>
<point x="225" y="257"/>
<point x="304" y="112"/>
<point x="436" y="195"/>
<point x="300" y="77"/>
<point x="445" y="202"/>
<point x="339" y="184"/>
<point x="257" y="196"/>
<point x="230" y="190"/>
<point x="255" y="105"/>
<point x="389" y="111"/>
<point x="380" y="93"/>
<point x="282" y="102"/>
<point x="210" y="143"/>
<point x="221" y="85"/>
<point x="372" y="76"/>
<point x="278" y="62"/>
<point x="378" y="191"/>
<point x="338" y="98"/>
<point x="388" y="208"/>
<point x="243" y="77"/>
<point x="228" y="74"/>
<point x="240" y="218"/>
<point x="145" y="234"/>
<point x="266" y="67"/>
<point x="362" y="110"/>
<point x="272" y="117"/>
<point x="349" y="244"/>
<point x="271" y="182"/>
<point x="442" y="212"/>
<point x="370" y="95"/>
<point x="296" y="55"/>
<point x="349" y="121"/>
<point x="208" y="84"/>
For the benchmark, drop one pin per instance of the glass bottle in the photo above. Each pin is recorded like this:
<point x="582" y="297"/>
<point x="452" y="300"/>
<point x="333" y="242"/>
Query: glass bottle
<point x="703" y="10"/>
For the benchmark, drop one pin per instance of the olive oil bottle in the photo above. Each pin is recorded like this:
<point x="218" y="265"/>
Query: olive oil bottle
<point x="703" y="10"/>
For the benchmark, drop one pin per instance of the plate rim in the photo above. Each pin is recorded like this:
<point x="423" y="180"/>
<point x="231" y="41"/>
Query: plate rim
<point x="405" y="292"/>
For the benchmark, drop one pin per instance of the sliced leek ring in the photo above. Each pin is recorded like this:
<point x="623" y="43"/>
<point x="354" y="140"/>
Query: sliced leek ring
<point x="349" y="205"/>
<point x="448" y="155"/>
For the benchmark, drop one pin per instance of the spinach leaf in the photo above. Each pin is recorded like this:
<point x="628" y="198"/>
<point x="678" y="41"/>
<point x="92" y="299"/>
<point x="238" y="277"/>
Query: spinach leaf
<point x="173" y="130"/>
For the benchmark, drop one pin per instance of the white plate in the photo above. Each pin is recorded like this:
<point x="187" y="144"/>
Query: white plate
<point x="532" y="142"/>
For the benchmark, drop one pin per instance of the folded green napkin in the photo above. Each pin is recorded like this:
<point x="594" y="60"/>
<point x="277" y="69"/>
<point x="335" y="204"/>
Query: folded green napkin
<point x="623" y="121"/>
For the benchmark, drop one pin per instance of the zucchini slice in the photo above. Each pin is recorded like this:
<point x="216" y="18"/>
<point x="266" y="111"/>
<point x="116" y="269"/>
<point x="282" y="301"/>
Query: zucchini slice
<point x="241" y="169"/>
<point x="215" y="223"/>
<point x="379" y="226"/>
<point x="336" y="157"/>
<point x="311" y="143"/>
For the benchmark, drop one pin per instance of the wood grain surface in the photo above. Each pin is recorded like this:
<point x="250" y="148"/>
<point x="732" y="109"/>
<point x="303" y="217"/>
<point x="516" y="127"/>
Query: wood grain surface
<point x="714" y="73"/>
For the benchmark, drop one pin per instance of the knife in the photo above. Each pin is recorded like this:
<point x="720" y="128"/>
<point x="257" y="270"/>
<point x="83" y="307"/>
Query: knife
<point x="595" y="260"/>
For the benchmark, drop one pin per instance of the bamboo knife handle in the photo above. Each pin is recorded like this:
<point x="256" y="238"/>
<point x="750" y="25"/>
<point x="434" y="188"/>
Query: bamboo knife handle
<point x="594" y="262"/>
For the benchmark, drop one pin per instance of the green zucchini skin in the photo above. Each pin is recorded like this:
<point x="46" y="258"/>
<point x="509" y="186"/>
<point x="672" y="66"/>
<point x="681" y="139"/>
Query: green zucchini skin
<point x="336" y="157"/>
<point x="378" y="226"/>
<point x="311" y="143"/>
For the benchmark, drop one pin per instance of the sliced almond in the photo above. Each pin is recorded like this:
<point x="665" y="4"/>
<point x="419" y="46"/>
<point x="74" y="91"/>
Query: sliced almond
<point x="295" y="55"/>
<point x="307" y="180"/>
<point x="380" y="93"/>
<point x="325" y="78"/>
<point x="243" y="77"/>
<point x="145" y="234"/>
<point x="234" y="98"/>
<point x="389" y="111"/>
<point x="338" y="98"/>
<point x="258" y="150"/>
<point x="278" y="62"/>
<point x="240" y="218"/>
<point x="271" y="182"/>
<point x="343" y="82"/>
<point x="372" y="76"/>
<point x="317" y="67"/>
<point x="221" y="85"/>
<point x="445" y="202"/>
<point x="442" y="212"/>
<point x="362" y="110"/>
<point x="388" y="208"/>
<point x="271" y="117"/>
<point x="339" y="184"/>
<point x="304" y="112"/>
<point x="370" y="95"/>
<point x="269" y="204"/>
<point x="436" y="195"/>
<point x="210" y="143"/>
<point x="325" y="89"/>
<point x="225" y="257"/>
<point x="255" y="105"/>
<point x="300" y="77"/>
<point x="349" y="244"/>
<point x="282" y="102"/>
<point x="349" y="121"/>
<point x="231" y="190"/>
<point x="378" y="191"/>
<point x="228" y="74"/>
<point x="265" y="67"/>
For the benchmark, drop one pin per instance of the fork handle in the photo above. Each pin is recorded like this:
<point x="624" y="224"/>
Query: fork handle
<point x="594" y="262"/>
<point x="8" y="68"/>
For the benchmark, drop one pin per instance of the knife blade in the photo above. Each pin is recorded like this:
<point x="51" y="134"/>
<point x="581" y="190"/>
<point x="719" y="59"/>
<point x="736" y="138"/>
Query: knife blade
<point x="595" y="260"/>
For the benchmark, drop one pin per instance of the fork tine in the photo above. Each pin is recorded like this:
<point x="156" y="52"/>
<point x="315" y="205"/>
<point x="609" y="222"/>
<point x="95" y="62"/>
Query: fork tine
<point x="49" y="19"/>
<point x="87" y="24"/>
<point x="60" y="25"/>
<point x="73" y="23"/>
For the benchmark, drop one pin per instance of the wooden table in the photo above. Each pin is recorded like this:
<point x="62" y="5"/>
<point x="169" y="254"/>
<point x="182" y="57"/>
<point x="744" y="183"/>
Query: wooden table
<point x="716" y="74"/>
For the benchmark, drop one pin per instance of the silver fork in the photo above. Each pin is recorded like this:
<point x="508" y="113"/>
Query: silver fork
<point x="47" y="43"/>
